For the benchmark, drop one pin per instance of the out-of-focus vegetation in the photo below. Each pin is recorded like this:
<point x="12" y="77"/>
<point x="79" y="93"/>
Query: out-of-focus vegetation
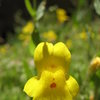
<point x="78" y="29"/>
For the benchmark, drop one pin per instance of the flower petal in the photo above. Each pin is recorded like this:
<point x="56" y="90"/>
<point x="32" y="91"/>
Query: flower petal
<point x="51" y="57"/>
<point x="32" y="87"/>
<point x="62" y="54"/>
<point x="42" y="55"/>
<point x="72" y="86"/>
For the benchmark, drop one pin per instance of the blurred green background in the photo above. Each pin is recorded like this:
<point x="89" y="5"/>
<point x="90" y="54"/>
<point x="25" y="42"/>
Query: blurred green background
<point x="25" y="23"/>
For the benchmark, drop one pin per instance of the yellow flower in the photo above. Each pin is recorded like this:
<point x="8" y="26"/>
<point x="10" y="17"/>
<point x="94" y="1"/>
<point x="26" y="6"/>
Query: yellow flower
<point x="49" y="36"/>
<point x="91" y="97"/>
<point x="26" y="32"/>
<point x="3" y="49"/>
<point x="83" y="35"/>
<point x="61" y="15"/>
<point x="52" y="83"/>
<point x="69" y="43"/>
<point x="95" y="64"/>
<point x="28" y="28"/>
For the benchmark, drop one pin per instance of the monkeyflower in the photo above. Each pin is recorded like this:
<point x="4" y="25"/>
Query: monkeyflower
<point x="61" y="15"/>
<point x="3" y="49"/>
<point x="95" y="64"/>
<point x="83" y="35"/>
<point x="28" y="28"/>
<point x="26" y="33"/>
<point x="49" y="36"/>
<point x="52" y="81"/>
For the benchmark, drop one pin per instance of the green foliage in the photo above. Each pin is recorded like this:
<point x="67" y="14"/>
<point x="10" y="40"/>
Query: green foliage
<point x="28" y="72"/>
<point x="32" y="47"/>
<point x="30" y="9"/>
<point x="97" y="6"/>
<point x="40" y="10"/>
<point x="81" y="3"/>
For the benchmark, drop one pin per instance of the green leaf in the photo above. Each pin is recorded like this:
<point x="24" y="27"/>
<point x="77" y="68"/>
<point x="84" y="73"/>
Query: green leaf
<point x="98" y="73"/>
<point x="32" y="47"/>
<point x="98" y="54"/>
<point x="97" y="6"/>
<point x="34" y="71"/>
<point x="81" y="3"/>
<point x="40" y="10"/>
<point x="36" y="36"/>
<point x="27" y="70"/>
<point x="31" y="11"/>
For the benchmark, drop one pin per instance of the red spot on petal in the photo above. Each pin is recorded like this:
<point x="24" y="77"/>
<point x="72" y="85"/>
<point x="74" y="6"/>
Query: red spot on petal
<point x="53" y="85"/>
<point x="53" y="79"/>
<point x="52" y="66"/>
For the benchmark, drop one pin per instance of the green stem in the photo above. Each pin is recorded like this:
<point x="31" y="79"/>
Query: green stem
<point x="91" y="46"/>
<point x="34" y="4"/>
<point x="84" y="85"/>
<point x="96" y="93"/>
<point x="31" y="11"/>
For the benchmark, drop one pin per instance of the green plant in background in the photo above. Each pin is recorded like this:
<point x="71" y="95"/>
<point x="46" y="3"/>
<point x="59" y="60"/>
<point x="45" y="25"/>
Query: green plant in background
<point x="36" y="14"/>
<point x="97" y="6"/>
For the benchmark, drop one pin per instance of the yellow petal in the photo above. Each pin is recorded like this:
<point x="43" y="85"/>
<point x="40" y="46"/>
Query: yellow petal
<point x="72" y="86"/>
<point x="32" y="88"/>
<point x="28" y="28"/>
<point x="40" y="89"/>
<point x="59" y="91"/>
<point x="42" y="55"/>
<point x="49" y="57"/>
<point x="62" y="54"/>
<point x="43" y="50"/>
<point x="57" y="77"/>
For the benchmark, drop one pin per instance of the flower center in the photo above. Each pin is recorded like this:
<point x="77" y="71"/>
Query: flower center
<point x="53" y="66"/>
<point x="53" y="85"/>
